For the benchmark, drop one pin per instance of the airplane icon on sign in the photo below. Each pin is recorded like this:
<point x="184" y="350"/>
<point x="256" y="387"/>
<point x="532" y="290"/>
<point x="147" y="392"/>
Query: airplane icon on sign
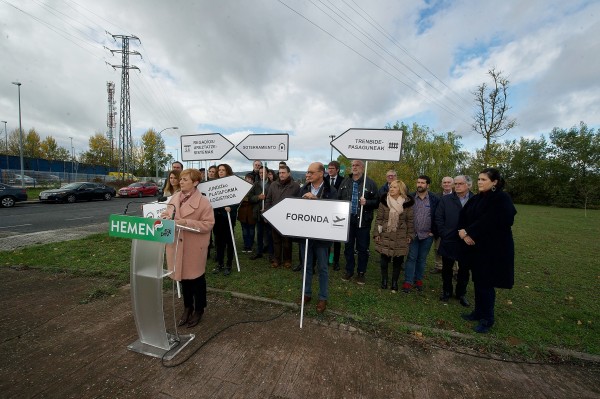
<point x="337" y="220"/>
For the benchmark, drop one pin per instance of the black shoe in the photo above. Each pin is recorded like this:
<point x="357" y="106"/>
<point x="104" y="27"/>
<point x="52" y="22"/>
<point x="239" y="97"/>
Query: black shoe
<point x="394" y="285"/>
<point x="463" y="301"/>
<point x="195" y="319"/>
<point x="218" y="269"/>
<point x="469" y="316"/>
<point x="256" y="256"/>
<point x="347" y="276"/>
<point x="360" y="279"/>
<point x="297" y="268"/>
<point x="336" y="266"/>
<point x="445" y="297"/>
<point x="384" y="283"/>
<point x="227" y="271"/>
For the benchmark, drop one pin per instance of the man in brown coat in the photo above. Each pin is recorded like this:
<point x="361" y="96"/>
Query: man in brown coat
<point x="285" y="187"/>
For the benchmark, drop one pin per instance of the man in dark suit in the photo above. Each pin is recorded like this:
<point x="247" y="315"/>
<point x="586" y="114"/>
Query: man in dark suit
<point x="334" y="180"/>
<point x="446" y="220"/>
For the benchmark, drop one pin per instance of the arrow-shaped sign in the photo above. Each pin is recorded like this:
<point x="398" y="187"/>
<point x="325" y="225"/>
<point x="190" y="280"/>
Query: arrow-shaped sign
<point x="265" y="147"/>
<point x="204" y="147"/>
<point x="226" y="191"/>
<point x="317" y="219"/>
<point x="370" y="144"/>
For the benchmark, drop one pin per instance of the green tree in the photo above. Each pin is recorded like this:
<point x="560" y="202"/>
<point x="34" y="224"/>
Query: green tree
<point x="575" y="161"/>
<point x="13" y="142"/>
<point x="99" y="152"/>
<point x="50" y="150"/>
<point x="423" y="152"/>
<point x="31" y="144"/>
<point x="153" y="153"/>
<point x="491" y="116"/>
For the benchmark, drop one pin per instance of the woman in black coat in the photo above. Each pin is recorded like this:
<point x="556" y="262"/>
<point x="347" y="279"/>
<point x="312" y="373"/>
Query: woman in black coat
<point x="487" y="244"/>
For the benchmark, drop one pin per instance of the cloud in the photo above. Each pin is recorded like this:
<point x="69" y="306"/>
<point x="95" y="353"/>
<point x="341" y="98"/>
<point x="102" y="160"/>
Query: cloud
<point x="240" y="67"/>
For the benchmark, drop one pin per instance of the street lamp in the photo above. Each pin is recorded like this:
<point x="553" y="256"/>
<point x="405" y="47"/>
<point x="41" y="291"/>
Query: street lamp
<point x="6" y="136"/>
<point x="20" y="137"/>
<point x="72" y="155"/>
<point x="331" y="155"/>
<point x="159" y="137"/>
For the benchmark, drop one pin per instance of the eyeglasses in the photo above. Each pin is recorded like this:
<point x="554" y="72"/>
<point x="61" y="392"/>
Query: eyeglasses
<point x="459" y="184"/>
<point x="308" y="172"/>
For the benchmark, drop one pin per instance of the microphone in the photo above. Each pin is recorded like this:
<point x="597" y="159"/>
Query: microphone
<point x="132" y="202"/>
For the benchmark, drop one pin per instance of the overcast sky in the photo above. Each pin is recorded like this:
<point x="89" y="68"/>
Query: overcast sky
<point x="307" y="68"/>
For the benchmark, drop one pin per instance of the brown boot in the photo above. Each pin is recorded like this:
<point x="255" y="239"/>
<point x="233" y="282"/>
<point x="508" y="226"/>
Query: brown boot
<point x="185" y="317"/>
<point x="321" y="305"/>
<point x="195" y="318"/>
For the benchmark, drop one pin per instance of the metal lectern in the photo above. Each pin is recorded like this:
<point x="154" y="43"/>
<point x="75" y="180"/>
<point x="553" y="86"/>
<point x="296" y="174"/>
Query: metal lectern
<point x="147" y="273"/>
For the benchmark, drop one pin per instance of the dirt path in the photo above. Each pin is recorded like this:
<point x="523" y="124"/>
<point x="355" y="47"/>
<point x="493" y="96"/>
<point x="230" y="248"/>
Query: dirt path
<point x="53" y="346"/>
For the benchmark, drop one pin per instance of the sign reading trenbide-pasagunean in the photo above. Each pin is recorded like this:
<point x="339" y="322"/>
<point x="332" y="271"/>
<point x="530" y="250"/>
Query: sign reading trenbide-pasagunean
<point x="225" y="191"/>
<point x="370" y="144"/>
<point x="265" y="147"/>
<point x="204" y="147"/>
<point x="159" y="230"/>
<point x="307" y="218"/>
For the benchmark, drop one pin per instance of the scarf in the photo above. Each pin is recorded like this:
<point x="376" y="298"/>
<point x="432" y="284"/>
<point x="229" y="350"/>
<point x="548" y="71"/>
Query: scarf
<point x="396" y="210"/>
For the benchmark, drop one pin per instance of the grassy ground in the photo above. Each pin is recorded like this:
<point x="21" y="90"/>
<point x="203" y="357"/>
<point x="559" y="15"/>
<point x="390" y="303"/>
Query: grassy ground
<point x="554" y="302"/>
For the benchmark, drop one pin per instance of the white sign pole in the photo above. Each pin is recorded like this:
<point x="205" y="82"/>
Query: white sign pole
<point x="363" y="193"/>
<point x="237" y="262"/>
<point x="303" y="283"/>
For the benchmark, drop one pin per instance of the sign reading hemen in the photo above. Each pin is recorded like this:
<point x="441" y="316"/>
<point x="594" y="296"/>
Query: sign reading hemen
<point x="316" y="219"/>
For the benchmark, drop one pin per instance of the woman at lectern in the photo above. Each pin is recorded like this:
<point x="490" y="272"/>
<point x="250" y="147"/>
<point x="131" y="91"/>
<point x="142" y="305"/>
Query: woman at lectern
<point x="186" y="257"/>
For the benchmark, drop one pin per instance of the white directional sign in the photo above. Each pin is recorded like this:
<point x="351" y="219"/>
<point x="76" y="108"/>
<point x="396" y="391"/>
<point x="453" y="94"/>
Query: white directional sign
<point x="317" y="219"/>
<point x="226" y="191"/>
<point x="370" y="144"/>
<point x="204" y="147"/>
<point x="265" y="147"/>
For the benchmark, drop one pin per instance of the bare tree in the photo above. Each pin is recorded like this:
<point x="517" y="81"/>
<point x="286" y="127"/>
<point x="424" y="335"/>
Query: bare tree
<point x="491" y="119"/>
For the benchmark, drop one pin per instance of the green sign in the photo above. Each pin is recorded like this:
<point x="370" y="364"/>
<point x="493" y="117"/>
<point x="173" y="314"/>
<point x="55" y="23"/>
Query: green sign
<point x="343" y="170"/>
<point x="159" y="230"/>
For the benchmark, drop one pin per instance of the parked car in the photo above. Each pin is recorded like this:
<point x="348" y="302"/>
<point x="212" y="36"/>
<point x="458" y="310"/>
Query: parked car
<point x="82" y="191"/>
<point x="9" y="195"/>
<point x="139" y="190"/>
<point x="29" y="181"/>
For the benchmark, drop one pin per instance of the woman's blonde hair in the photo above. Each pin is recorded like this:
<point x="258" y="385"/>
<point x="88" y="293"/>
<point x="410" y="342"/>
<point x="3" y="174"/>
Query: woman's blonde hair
<point x="169" y="189"/>
<point x="402" y="187"/>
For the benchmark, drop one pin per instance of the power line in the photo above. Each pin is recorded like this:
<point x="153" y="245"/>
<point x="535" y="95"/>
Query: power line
<point x="364" y="57"/>
<point x="382" y="30"/>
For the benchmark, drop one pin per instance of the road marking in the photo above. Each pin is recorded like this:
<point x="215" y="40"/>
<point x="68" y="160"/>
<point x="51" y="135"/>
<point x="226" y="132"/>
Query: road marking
<point x="17" y="225"/>
<point x="85" y="217"/>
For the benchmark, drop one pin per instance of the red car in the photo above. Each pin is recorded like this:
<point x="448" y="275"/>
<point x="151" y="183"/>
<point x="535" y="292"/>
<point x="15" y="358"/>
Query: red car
<point x="139" y="190"/>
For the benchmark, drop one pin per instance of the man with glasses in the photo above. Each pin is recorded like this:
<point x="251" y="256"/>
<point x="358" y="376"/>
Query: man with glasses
<point x="362" y="204"/>
<point x="447" y="189"/>
<point x="446" y="219"/>
<point x="316" y="187"/>
<point x="390" y="176"/>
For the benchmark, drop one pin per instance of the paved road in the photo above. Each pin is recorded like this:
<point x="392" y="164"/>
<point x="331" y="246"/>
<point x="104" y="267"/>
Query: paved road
<point x="36" y="217"/>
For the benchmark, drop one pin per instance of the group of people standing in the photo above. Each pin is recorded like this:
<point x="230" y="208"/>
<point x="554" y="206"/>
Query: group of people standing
<point x="471" y="231"/>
